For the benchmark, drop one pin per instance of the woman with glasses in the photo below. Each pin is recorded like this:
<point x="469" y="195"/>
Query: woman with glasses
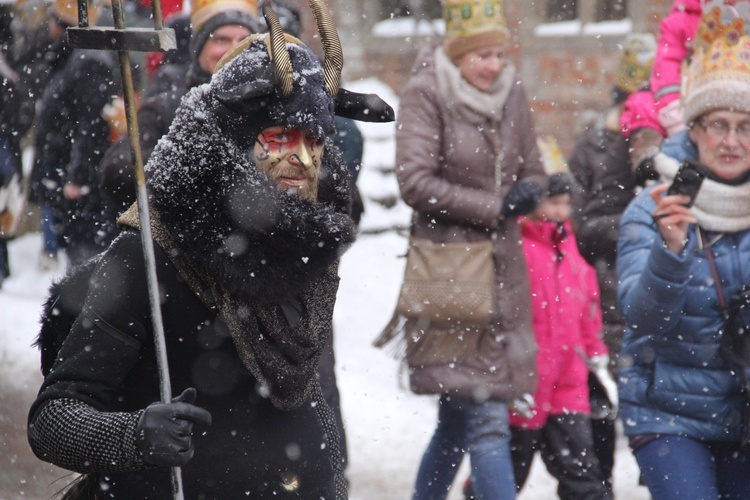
<point x="680" y="261"/>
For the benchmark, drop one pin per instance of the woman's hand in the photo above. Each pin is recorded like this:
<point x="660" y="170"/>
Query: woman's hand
<point x="672" y="217"/>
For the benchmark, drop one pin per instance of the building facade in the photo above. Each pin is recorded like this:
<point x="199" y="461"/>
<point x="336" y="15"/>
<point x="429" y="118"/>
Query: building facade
<point x="566" y="50"/>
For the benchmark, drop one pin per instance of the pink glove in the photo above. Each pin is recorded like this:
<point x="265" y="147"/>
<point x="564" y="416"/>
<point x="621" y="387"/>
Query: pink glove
<point x="670" y="117"/>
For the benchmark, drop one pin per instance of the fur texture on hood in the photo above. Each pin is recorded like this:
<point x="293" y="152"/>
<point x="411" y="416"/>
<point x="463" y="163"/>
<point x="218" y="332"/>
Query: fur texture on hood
<point x="225" y="215"/>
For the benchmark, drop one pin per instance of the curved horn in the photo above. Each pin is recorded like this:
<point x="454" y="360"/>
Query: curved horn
<point x="277" y="49"/>
<point x="334" y="55"/>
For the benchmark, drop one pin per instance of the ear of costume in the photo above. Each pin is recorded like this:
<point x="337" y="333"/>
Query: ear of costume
<point x="363" y="107"/>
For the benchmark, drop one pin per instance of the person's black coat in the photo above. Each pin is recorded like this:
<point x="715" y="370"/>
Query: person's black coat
<point x="33" y="66"/>
<point x="71" y="138"/>
<point x="245" y="451"/>
<point x="599" y="161"/>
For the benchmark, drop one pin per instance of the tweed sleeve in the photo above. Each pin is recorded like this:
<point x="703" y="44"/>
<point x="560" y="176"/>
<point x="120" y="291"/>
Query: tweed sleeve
<point x="75" y="436"/>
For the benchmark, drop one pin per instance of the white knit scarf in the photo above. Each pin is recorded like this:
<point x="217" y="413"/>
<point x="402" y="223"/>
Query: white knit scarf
<point x="465" y="100"/>
<point x="718" y="207"/>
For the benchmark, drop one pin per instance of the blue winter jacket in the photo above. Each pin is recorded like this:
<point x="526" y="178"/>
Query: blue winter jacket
<point x="672" y="378"/>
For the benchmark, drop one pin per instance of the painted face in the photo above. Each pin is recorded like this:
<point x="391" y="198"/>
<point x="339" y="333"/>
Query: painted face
<point x="482" y="66"/>
<point x="723" y="141"/>
<point x="219" y="42"/>
<point x="291" y="159"/>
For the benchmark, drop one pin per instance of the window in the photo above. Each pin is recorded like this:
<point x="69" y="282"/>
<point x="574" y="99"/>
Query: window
<point x="561" y="10"/>
<point x="421" y="9"/>
<point x="610" y="10"/>
<point x="569" y="10"/>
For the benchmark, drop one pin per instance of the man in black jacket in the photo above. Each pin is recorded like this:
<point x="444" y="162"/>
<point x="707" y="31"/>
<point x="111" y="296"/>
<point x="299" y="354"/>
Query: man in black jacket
<point x="250" y="214"/>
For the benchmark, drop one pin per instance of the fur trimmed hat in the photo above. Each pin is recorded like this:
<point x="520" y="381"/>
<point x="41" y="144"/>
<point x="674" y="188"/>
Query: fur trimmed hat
<point x="250" y="96"/>
<point x="472" y="24"/>
<point x="719" y="73"/>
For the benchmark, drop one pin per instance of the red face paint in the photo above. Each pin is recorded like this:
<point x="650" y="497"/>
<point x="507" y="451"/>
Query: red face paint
<point x="291" y="159"/>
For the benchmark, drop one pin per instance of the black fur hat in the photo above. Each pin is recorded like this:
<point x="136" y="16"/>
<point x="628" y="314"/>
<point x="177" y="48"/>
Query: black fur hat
<point x="250" y="100"/>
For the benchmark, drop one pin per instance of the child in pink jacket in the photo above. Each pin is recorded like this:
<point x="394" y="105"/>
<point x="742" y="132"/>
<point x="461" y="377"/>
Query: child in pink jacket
<point x="567" y="324"/>
<point x="676" y="33"/>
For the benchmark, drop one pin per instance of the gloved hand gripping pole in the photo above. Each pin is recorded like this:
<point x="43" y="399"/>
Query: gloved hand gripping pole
<point x="123" y="40"/>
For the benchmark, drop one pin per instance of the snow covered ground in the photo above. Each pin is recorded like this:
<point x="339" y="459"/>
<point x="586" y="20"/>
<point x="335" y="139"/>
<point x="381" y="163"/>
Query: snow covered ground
<point x="387" y="427"/>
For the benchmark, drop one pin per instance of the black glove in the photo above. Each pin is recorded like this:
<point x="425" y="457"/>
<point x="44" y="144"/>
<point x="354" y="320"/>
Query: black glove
<point x="164" y="429"/>
<point x="522" y="198"/>
<point x="646" y="171"/>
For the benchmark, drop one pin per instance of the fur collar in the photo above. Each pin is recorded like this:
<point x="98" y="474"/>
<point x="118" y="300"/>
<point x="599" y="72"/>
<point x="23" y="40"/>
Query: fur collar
<point x="228" y="220"/>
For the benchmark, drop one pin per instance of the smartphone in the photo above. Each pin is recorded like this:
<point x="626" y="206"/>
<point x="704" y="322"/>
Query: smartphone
<point x="688" y="180"/>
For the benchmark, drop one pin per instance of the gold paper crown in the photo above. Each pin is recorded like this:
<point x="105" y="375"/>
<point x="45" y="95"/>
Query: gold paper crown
<point x="718" y="76"/>
<point x="636" y="60"/>
<point x="67" y="11"/>
<point x="552" y="157"/>
<point x="471" y="24"/>
<point x="203" y="10"/>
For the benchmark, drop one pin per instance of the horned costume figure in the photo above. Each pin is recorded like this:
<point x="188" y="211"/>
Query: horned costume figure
<point x="250" y="213"/>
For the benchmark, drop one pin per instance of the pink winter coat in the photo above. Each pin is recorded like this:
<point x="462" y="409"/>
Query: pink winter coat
<point x="673" y="46"/>
<point x="638" y="111"/>
<point x="567" y="320"/>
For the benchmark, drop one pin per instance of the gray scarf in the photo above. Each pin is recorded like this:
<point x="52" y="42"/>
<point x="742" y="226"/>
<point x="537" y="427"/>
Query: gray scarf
<point x="466" y="101"/>
<point x="718" y="207"/>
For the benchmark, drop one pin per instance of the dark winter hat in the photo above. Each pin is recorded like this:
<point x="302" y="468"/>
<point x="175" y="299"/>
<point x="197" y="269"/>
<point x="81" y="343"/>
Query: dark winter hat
<point x="274" y="79"/>
<point x="221" y="18"/>
<point x="561" y="183"/>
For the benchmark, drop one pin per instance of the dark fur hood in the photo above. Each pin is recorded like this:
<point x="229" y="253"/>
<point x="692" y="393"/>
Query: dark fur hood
<point x="226" y="217"/>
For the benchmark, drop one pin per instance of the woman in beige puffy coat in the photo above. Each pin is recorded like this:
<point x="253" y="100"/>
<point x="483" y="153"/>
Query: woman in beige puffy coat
<point x="467" y="163"/>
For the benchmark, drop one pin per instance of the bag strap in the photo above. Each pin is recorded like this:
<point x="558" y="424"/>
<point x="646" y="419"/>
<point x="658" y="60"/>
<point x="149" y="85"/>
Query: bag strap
<point x="715" y="274"/>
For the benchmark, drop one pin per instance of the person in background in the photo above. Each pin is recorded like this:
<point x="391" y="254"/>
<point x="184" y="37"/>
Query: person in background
<point x="567" y="326"/>
<point x="464" y="130"/>
<point x="169" y="75"/>
<point x="217" y="25"/>
<point x="41" y="54"/>
<point x="250" y="214"/>
<point x="682" y="401"/>
<point x="71" y="137"/>
<point x="11" y="131"/>
<point x="600" y="164"/>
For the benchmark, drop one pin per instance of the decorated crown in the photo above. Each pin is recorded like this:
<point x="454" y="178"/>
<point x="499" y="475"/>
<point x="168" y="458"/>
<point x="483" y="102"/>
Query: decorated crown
<point x="636" y="59"/>
<point x="718" y="76"/>
<point x="203" y="10"/>
<point x="470" y="24"/>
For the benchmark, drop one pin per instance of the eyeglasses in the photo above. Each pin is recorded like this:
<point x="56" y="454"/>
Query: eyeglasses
<point x="720" y="129"/>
